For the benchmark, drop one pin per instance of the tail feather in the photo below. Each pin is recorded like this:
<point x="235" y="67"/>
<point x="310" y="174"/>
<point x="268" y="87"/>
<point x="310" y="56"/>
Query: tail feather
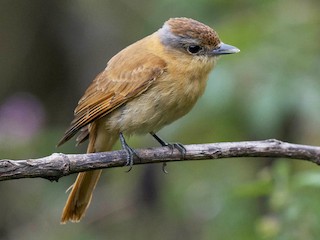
<point x="81" y="192"/>
<point x="80" y="196"/>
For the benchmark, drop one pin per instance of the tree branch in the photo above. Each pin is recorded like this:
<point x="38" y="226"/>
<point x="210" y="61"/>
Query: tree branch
<point x="58" y="165"/>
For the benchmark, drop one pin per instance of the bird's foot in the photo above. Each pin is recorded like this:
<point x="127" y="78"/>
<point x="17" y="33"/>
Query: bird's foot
<point x="172" y="146"/>
<point x="129" y="150"/>
<point x="177" y="146"/>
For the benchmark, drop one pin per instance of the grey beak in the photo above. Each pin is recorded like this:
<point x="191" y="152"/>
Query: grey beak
<point x="225" y="49"/>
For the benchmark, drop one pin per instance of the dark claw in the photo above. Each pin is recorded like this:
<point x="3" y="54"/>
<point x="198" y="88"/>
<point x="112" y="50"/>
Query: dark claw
<point x="164" y="165"/>
<point x="172" y="146"/>
<point x="179" y="147"/>
<point x="129" y="150"/>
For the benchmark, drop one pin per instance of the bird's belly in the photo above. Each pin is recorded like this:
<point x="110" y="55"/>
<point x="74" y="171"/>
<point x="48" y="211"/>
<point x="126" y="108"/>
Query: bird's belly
<point x="154" y="109"/>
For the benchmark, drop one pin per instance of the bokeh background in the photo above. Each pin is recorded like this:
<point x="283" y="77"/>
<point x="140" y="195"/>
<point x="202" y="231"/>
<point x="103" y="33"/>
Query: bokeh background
<point x="51" y="51"/>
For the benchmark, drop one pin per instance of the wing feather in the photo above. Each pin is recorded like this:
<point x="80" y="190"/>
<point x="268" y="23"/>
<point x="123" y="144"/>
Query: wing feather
<point x="117" y="84"/>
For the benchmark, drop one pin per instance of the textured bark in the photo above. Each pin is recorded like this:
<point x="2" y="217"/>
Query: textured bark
<point x="58" y="165"/>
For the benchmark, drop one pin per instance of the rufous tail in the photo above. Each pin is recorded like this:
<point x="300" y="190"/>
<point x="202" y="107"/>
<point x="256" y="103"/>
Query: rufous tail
<point x="80" y="196"/>
<point x="82" y="189"/>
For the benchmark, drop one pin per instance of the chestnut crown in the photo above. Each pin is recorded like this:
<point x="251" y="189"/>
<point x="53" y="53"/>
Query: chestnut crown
<point x="193" y="37"/>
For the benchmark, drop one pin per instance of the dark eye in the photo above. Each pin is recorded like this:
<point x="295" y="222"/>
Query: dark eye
<point x="194" y="49"/>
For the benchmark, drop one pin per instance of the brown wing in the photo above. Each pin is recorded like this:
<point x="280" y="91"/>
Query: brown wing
<point x="122" y="80"/>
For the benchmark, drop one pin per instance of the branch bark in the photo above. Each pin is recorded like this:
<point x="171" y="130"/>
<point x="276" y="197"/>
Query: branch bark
<point x="58" y="165"/>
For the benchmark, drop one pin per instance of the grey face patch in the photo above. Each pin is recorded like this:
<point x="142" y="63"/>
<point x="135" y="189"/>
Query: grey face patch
<point x="179" y="42"/>
<point x="188" y="36"/>
<point x="187" y="28"/>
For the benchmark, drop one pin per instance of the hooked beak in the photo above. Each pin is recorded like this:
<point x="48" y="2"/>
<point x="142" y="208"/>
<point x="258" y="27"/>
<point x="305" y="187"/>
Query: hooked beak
<point x="224" y="49"/>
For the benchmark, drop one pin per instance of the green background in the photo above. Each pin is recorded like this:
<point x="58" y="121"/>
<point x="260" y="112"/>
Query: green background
<point x="51" y="51"/>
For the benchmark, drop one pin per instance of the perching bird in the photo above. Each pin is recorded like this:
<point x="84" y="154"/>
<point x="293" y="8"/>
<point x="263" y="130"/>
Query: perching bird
<point x="144" y="87"/>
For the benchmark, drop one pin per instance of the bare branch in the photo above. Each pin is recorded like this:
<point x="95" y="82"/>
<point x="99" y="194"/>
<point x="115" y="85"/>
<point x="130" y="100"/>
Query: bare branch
<point x="58" y="165"/>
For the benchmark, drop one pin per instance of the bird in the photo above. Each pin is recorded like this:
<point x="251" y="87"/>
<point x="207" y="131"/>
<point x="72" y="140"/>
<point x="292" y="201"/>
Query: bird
<point x="146" y="86"/>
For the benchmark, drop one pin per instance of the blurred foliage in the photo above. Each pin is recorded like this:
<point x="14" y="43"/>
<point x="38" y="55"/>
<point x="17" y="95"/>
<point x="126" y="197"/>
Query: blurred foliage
<point x="50" y="52"/>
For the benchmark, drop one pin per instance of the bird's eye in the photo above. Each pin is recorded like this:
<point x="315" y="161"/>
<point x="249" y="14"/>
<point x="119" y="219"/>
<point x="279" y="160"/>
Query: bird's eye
<point x="193" y="49"/>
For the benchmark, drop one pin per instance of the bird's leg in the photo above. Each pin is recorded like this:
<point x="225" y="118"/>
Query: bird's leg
<point x="129" y="150"/>
<point x="177" y="146"/>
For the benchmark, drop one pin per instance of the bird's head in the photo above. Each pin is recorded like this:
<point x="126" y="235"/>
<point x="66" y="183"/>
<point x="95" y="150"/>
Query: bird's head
<point x="193" y="38"/>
